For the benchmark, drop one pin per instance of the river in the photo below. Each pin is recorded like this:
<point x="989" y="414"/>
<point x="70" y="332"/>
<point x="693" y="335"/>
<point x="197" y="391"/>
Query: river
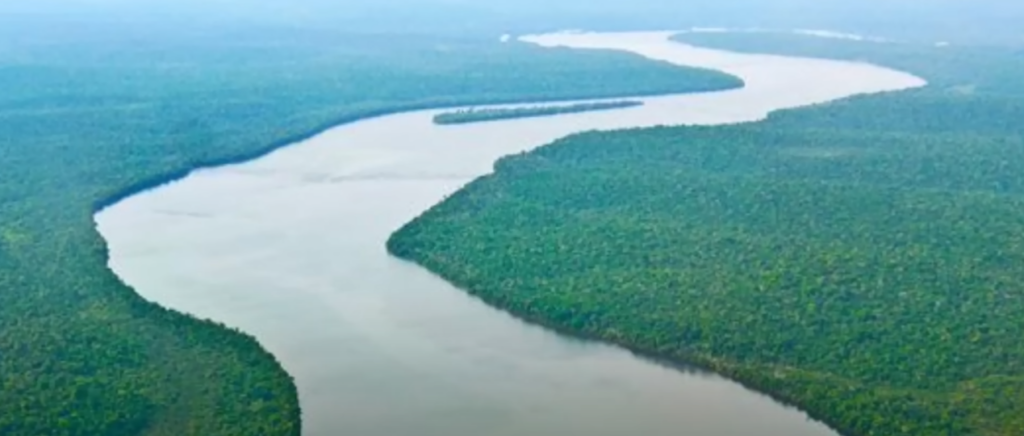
<point x="290" y="248"/>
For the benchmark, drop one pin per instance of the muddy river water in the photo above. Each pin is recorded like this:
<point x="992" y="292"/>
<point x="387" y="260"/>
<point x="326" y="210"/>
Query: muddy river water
<point x="290" y="248"/>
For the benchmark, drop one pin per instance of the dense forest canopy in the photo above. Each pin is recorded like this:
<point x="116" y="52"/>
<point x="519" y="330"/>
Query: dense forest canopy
<point x="86" y="121"/>
<point x="860" y="259"/>
<point x="105" y="97"/>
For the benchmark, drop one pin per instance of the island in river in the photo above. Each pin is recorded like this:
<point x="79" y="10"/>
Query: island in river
<point x="476" y="115"/>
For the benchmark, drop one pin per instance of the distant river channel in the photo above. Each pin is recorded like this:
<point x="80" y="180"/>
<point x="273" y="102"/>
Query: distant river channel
<point x="290" y="249"/>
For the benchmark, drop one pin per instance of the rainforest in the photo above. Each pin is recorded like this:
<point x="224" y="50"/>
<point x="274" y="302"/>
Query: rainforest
<point x="860" y="260"/>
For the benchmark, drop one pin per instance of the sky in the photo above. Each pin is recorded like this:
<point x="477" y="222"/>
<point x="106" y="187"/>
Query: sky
<point x="495" y="16"/>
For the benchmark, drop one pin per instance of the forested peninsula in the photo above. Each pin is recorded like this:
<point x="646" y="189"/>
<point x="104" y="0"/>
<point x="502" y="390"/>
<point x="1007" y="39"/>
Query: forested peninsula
<point x="474" y="115"/>
<point x="86" y="122"/>
<point x="861" y="260"/>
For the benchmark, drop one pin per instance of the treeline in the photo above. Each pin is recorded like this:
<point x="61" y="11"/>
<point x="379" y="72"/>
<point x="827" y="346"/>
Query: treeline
<point x="863" y="260"/>
<point x="475" y="115"/>
<point x="84" y="124"/>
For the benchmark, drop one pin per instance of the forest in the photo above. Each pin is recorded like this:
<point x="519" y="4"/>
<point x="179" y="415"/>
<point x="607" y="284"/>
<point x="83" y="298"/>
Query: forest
<point x="475" y="115"/>
<point x="862" y="260"/>
<point x="87" y="121"/>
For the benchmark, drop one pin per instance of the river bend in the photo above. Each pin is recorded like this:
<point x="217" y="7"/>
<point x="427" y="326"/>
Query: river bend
<point x="290" y="248"/>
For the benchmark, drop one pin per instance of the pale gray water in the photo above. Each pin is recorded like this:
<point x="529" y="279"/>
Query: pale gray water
<point x="290" y="248"/>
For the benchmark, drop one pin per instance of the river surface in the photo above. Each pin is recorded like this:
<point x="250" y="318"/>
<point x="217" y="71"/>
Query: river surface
<point x="290" y="248"/>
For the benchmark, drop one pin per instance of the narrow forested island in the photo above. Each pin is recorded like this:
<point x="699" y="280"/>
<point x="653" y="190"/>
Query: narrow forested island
<point x="862" y="260"/>
<point x="464" y="116"/>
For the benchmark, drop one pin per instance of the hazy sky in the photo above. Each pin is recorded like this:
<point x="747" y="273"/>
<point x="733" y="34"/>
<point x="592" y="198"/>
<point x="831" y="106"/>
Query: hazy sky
<point x="882" y="16"/>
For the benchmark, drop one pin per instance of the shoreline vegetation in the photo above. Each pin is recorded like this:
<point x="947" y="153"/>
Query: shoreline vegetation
<point x="477" y="115"/>
<point x="859" y="260"/>
<point x="101" y="131"/>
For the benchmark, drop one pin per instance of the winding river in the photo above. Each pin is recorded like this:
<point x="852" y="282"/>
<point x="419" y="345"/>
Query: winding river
<point x="290" y="248"/>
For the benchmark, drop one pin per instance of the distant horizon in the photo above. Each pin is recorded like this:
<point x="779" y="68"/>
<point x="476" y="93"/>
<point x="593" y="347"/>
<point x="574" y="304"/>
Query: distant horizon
<point x="950" y="19"/>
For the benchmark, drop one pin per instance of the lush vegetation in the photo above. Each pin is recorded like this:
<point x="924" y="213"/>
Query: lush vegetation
<point x="861" y="260"/>
<point x="475" y="115"/>
<point x="86" y="121"/>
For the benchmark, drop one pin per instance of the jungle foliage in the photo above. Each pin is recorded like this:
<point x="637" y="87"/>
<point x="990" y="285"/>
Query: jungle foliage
<point x="476" y="115"/>
<point x="84" y="122"/>
<point x="861" y="260"/>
